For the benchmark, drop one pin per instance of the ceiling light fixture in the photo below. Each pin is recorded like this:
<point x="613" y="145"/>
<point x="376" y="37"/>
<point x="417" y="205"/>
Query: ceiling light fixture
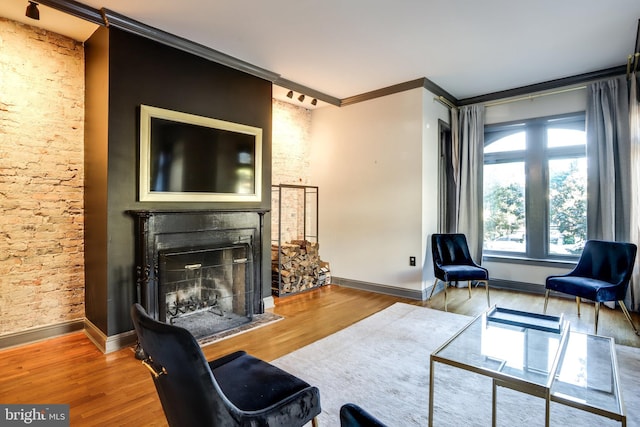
<point x="314" y="101"/>
<point x="301" y="98"/>
<point x="32" y="11"/>
<point x="290" y="94"/>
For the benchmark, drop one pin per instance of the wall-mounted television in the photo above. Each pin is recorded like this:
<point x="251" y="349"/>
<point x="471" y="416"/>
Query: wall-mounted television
<point x="190" y="158"/>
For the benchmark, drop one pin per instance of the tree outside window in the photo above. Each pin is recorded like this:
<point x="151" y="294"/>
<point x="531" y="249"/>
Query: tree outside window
<point x="535" y="197"/>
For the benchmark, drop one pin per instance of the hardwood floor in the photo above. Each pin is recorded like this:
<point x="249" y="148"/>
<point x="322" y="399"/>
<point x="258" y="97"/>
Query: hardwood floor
<point x="612" y="322"/>
<point x="114" y="389"/>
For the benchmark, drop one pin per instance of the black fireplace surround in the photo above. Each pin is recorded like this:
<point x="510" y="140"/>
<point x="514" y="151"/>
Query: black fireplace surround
<point x="200" y="262"/>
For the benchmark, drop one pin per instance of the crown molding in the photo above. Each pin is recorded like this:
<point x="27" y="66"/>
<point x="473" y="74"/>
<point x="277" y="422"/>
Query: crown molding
<point x="439" y="92"/>
<point x="637" y="49"/>
<point x="389" y="90"/>
<point x="108" y="17"/>
<point x="423" y="82"/>
<point x="114" y="19"/>
<point x="548" y="85"/>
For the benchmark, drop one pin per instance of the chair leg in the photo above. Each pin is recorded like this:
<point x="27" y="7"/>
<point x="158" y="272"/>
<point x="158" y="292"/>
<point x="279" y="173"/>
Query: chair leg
<point x="469" y="286"/>
<point x="432" y="289"/>
<point x="546" y="300"/>
<point x="578" y="304"/>
<point x="446" y="285"/>
<point x="597" y="308"/>
<point x="628" y="316"/>
<point x="314" y="422"/>
<point x="486" y="285"/>
<point x="445" y="292"/>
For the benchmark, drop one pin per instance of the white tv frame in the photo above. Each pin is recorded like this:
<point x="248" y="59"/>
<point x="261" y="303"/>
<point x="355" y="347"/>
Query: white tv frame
<point x="146" y="195"/>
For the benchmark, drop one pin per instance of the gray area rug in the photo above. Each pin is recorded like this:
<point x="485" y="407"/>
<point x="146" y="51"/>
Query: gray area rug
<point x="382" y="364"/>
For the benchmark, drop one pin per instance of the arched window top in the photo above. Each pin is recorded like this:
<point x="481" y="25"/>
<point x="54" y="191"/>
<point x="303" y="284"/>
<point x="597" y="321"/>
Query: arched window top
<point x="514" y="141"/>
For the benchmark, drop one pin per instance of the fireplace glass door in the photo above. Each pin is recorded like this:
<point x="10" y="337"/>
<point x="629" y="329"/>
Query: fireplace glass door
<point x="206" y="289"/>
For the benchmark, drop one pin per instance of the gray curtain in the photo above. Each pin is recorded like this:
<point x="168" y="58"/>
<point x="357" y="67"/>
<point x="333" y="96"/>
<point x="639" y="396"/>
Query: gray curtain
<point x="469" y="176"/>
<point x="608" y="156"/>
<point x="634" y="119"/>
<point x="449" y="178"/>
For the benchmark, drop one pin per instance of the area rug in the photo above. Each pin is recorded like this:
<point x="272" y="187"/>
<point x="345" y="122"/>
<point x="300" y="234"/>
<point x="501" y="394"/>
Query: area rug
<point x="382" y="364"/>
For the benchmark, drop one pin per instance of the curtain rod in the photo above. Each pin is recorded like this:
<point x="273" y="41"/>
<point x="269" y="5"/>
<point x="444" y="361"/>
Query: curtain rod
<point x="632" y="59"/>
<point x="450" y="104"/>
<point x="532" y="97"/>
<point x="444" y="101"/>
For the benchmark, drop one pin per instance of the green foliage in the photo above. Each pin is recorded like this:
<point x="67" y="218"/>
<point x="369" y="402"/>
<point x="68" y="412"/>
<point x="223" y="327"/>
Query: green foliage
<point x="568" y="206"/>
<point x="504" y="209"/>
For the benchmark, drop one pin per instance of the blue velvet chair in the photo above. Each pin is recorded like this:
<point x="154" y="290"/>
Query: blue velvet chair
<point x="452" y="262"/>
<point x="602" y="274"/>
<point x="234" y="390"/>
<point x="351" y="415"/>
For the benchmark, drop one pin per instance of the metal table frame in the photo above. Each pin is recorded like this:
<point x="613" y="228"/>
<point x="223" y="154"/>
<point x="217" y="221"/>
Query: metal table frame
<point x="543" y="390"/>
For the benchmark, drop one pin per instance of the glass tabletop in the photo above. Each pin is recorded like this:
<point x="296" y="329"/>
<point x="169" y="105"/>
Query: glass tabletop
<point x="511" y="344"/>
<point x="537" y="354"/>
<point x="587" y="374"/>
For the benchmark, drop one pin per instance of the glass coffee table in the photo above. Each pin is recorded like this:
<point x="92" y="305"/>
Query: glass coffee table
<point x="537" y="355"/>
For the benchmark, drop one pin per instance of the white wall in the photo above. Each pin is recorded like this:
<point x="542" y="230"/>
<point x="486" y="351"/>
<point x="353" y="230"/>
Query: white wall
<point x="374" y="162"/>
<point x="562" y="103"/>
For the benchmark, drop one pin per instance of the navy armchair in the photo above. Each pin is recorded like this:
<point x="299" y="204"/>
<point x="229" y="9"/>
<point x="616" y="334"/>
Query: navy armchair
<point x="234" y="390"/>
<point x="351" y="415"/>
<point x="602" y="274"/>
<point x="452" y="262"/>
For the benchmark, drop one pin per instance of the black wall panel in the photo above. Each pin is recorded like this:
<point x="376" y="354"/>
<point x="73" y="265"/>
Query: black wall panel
<point x="142" y="71"/>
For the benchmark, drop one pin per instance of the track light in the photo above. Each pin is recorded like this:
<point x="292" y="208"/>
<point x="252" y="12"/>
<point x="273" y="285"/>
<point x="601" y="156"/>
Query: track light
<point x="302" y="97"/>
<point x="32" y="11"/>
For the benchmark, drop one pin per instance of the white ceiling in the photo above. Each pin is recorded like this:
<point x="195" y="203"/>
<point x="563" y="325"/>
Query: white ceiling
<point x="345" y="48"/>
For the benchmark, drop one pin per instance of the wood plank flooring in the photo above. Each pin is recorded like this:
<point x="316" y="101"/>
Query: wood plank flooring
<point x="115" y="390"/>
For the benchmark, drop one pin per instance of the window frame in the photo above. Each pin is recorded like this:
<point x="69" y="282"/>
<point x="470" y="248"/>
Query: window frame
<point x="535" y="156"/>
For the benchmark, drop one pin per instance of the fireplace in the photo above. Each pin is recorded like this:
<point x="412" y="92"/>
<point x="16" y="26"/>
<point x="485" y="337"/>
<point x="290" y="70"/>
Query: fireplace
<point x="206" y="290"/>
<point x="200" y="269"/>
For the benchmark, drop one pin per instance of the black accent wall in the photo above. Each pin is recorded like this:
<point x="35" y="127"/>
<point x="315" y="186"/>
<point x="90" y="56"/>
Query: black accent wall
<point x="124" y="71"/>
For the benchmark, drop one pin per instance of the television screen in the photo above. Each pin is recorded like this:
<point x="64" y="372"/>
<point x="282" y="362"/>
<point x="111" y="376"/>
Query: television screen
<point x="193" y="158"/>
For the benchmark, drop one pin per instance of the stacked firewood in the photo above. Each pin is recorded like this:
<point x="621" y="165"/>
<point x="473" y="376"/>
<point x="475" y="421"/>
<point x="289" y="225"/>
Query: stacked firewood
<point x="296" y="267"/>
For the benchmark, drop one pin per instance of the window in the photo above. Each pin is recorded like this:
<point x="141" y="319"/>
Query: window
<point x="535" y="188"/>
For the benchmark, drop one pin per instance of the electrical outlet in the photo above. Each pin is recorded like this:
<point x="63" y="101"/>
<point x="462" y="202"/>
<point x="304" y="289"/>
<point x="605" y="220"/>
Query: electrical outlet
<point x="412" y="261"/>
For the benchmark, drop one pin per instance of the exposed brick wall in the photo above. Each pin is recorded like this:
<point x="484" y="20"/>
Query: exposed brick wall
<point x="291" y="145"/>
<point x="41" y="178"/>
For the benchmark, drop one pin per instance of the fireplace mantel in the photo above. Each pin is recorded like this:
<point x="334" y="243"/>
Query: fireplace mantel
<point x="157" y="230"/>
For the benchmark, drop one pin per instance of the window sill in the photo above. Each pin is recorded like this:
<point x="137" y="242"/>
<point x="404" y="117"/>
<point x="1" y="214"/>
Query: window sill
<point x="513" y="259"/>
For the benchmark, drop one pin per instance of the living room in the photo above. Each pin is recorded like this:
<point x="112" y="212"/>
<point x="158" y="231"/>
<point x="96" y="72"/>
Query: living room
<point x="360" y="156"/>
